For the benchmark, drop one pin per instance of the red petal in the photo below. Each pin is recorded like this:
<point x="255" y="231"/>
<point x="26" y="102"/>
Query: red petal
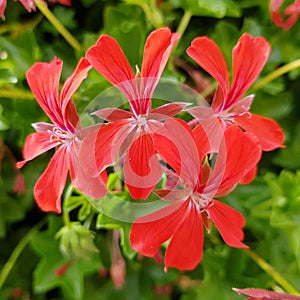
<point x="109" y="60"/>
<point x="69" y="88"/>
<point x="275" y="5"/>
<point x="49" y="187"/>
<point x="239" y="153"/>
<point x="186" y="246"/>
<point x="167" y="110"/>
<point x="43" y="126"/>
<point x="94" y="187"/>
<point x="73" y="82"/>
<point x="176" y="145"/>
<point x="19" y="186"/>
<point x="28" y="4"/>
<point x="265" y="294"/>
<point x="36" y="144"/>
<point x="43" y="80"/>
<point x="99" y="149"/>
<point x="208" y="56"/>
<point x="63" y="2"/>
<point x="249" y="176"/>
<point x="149" y="232"/>
<point x="269" y="133"/>
<point x="2" y="9"/>
<point x="112" y="114"/>
<point x="157" y="50"/>
<point x="242" y="106"/>
<point x="277" y="19"/>
<point x="249" y="57"/>
<point x="208" y="135"/>
<point x="141" y="168"/>
<point x="229" y="222"/>
<point x="201" y="113"/>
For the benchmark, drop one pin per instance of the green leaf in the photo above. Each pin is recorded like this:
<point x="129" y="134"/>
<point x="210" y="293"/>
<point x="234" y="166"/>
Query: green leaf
<point x="10" y="212"/>
<point x="48" y="273"/>
<point x="126" y="24"/>
<point x="105" y="222"/>
<point x="270" y="106"/>
<point x="4" y="124"/>
<point x="286" y="199"/>
<point x="7" y="76"/>
<point x="223" y="36"/>
<point x="286" y="207"/>
<point x="21" y="52"/>
<point x="210" y="8"/>
<point x="290" y="156"/>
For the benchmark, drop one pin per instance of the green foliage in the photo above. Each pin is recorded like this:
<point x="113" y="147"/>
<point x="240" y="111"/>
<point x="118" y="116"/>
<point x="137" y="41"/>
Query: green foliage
<point x="49" y="273"/>
<point x="209" y="8"/>
<point x="71" y="255"/>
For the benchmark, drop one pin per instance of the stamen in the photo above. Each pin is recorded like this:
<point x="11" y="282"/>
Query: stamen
<point x="141" y="122"/>
<point x="201" y="201"/>
<point x="57" y="135"/>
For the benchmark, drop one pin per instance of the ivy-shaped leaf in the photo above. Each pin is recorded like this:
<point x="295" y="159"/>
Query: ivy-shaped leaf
<point x="57" y="270"/>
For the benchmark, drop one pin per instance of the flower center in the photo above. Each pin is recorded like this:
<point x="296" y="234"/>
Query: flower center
<point x="201" y="201"/>
<point x="58" y="135"/>
<point x="140" y="122"/>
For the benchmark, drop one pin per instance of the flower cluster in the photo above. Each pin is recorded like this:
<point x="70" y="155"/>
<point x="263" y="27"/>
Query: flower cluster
<point x="200" y="160"/>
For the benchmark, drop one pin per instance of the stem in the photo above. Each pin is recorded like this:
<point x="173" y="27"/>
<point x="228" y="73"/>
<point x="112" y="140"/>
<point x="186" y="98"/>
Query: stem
<point x="185" y="20"/>
<point x="66" y="216"/>
<point x="277" y="73"/>
<point x="17" y="251"/>
<point x="16" y="94"/>
<point x="272" y="272"/>
<point x="58" y="26"/>
<point x="87" y="223"/>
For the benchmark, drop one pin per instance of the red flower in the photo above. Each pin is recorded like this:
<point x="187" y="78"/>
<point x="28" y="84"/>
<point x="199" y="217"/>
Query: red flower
<point x="192" y="204"/>
<point x="129" y="134"/>
<point x="290" y="14"/>
<point x="260" y="294"/>
<point x="29" y="5"/>
<point x="248" y="58"/>
<point x="64" y="134"/>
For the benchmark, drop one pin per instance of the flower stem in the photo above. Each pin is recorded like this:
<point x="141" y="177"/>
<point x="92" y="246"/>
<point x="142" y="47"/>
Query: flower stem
<point x="66" y="216"/>
<point x="17" y="251"/>
<point x="272" y="272"/>
<point x="184" y="22"/>
<point x="277" y="73"/>
<point x="58" y="26"/>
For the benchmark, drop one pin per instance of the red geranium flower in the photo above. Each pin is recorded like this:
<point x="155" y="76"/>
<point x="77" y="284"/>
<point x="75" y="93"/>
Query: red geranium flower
<point x="64" y="134"/>
<point x="192" y="200"/>
<point x="290" y="15"/>
<point x="248" y="58"/>
<point x="129" y="133"/>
